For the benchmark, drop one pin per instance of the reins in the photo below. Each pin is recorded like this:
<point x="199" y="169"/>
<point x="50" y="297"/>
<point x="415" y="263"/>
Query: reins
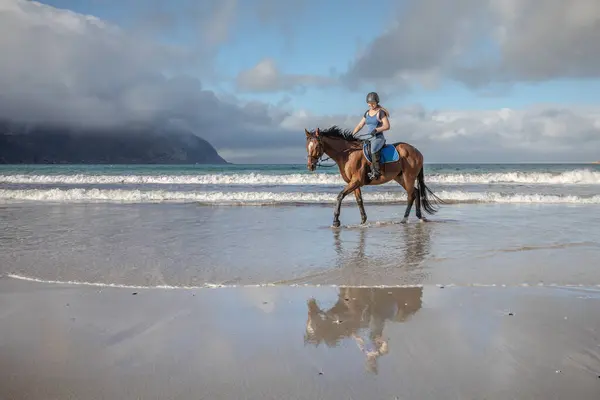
<point x="320" y="160"/>
<point x="323" y="165"/>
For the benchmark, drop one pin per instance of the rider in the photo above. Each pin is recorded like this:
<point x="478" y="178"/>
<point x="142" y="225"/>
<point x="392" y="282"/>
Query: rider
<point x="376" y="119"/>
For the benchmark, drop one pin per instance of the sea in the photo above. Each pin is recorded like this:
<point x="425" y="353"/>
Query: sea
<point x="191" y="226"/>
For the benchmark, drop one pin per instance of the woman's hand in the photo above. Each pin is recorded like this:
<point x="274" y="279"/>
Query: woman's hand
<point x="360" y="125"/>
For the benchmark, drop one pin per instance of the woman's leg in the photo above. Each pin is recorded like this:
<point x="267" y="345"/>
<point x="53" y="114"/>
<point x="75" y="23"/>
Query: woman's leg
<point x="377" y="143"/>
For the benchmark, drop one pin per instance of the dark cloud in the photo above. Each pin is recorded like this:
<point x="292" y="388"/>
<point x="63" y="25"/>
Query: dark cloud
<point x="485" y="41"/>
<point x="428" y="36"/>
<point x="62" y="67"/>
<point x="559" y="39"/>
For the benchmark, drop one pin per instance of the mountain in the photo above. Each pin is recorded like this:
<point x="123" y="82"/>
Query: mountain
<point x="51" y="144"/>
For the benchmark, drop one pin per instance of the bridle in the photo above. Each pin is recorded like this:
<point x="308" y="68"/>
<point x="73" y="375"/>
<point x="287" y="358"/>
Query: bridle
<point x="317" y="161"/>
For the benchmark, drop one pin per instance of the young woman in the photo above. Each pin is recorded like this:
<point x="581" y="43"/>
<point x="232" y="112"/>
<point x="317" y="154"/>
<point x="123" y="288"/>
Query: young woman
<point x="376" y="120"/>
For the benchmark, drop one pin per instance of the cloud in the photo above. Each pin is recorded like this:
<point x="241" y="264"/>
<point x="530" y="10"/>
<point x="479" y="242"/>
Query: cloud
<point x="429" y="35"/>
<point x="279" y="13"/>
<point x="266" y="77"/>
<point x="535" y="134"/>
<point x="209" y="22"/>
<point x="62" y="67"/>
<point x="557" y="40"/>
<point x="484" y="41"/>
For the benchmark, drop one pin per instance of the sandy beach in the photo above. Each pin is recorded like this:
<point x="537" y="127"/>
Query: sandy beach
<point x="81" y="342"/>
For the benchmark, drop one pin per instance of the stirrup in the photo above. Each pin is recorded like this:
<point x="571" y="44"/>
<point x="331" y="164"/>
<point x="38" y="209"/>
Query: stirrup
<point x="374" y="174"/>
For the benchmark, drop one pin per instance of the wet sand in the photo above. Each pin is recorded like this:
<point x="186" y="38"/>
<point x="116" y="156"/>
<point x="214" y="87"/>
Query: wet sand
<point x="191" y="245"/>
<point x="81" y="342"/>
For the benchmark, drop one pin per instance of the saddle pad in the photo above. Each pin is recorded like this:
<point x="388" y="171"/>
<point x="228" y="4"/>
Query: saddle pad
<point x="387" y="154"/>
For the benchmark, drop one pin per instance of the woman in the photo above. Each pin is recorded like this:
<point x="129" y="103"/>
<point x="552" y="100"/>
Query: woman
<point x="376" y="120"/>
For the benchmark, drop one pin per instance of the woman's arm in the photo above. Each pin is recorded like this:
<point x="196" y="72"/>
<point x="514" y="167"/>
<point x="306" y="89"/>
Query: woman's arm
<point x="360" y="125"/>
<point x="385" y="124"/>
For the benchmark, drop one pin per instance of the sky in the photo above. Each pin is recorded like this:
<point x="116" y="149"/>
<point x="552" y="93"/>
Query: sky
<point x="465" y="81"/>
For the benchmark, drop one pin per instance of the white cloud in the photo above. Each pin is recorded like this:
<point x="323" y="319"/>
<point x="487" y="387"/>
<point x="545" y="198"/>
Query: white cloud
<point x="266" y="77"/>
<point x="505" y="135"/>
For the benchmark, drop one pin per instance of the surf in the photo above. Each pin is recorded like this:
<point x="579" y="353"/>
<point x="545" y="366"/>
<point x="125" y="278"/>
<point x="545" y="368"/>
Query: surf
<point x="574" y="177"/>
<point x="264" y="198"/>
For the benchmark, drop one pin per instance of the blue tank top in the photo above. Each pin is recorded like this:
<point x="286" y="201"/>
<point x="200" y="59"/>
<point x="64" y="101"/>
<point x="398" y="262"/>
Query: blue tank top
<point x="372" y="122"/>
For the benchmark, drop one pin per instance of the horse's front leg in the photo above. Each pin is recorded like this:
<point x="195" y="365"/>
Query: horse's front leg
<point x="336" y="214"/>
<point x="361" y="207"/>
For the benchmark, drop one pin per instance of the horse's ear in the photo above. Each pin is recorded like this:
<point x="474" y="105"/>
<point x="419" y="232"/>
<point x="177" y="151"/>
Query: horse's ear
<point x="307" y="133"/>
<point x="317" y="132"/>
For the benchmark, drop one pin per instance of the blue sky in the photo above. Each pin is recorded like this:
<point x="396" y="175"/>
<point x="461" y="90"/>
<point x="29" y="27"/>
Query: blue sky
<point x="446" y="70"/>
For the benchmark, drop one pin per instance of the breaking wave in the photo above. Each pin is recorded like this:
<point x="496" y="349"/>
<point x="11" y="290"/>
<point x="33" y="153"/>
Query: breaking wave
<point x="576" y="177"/>
<point x="268" y="198"/>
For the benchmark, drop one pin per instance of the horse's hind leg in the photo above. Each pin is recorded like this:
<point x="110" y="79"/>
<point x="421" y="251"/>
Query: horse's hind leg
<point x="361" y="207"/>
<point x="418" y="206"/>
<point x="411" y="199"/>
<point x="411" y="194"/>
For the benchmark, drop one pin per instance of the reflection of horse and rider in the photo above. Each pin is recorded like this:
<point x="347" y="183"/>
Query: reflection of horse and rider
<point x="360" y="309"/>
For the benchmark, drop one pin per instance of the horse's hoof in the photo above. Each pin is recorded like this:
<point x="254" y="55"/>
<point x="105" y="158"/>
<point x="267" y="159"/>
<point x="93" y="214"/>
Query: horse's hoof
<point x="363" y="221"/>
<point x="336" y="224"/>
<point x="404" y="220"/>
<point x="423" y="219"/>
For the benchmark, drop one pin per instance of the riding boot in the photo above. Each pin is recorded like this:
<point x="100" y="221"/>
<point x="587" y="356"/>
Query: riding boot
<point x="375" y="172"/>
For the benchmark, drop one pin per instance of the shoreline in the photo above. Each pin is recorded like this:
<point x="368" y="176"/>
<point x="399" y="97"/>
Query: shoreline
<point x="108" y="285"/>
<point x="306" y="342"/>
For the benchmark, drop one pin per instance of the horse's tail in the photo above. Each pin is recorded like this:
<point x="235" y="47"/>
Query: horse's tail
<point x="424" y="191"/>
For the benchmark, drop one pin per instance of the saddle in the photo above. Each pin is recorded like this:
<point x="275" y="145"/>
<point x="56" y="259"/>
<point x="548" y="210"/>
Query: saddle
<point x="387" y="154"/>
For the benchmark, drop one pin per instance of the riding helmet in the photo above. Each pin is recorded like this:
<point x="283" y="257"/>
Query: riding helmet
<point x="373" y="97"/>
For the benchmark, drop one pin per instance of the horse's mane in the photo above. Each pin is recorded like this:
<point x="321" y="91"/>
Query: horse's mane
<point x="337" y="132"/>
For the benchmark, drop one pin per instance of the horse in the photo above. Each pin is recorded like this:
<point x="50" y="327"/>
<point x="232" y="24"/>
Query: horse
<point x="400" y="162"/>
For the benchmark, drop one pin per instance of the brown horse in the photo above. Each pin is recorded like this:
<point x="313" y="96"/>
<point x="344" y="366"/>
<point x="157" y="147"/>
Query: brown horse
<point x="347" y="152"/>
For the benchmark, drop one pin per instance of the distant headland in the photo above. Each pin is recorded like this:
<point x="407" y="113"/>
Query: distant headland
<point x="44" y="144"/>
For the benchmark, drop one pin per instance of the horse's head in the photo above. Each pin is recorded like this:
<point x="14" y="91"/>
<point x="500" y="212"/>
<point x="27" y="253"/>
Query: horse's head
<point x="314" y="149"/>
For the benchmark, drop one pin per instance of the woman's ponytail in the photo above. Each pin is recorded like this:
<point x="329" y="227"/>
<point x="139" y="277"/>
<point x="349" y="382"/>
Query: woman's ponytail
<point x="387" y="113"/>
